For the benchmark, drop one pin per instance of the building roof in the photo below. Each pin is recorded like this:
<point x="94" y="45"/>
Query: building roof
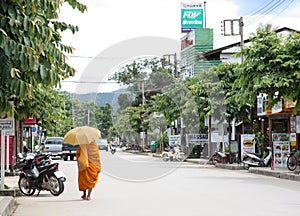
<point x="218" y="51"/>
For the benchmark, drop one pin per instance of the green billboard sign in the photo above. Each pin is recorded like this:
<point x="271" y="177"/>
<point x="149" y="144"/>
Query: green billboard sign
<point x="191" y="17"/>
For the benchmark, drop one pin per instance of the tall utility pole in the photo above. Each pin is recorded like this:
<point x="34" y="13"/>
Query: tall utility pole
<point x="233" y="27"/>
<point x="176" y="76"/>
<point x="241" y="25"/>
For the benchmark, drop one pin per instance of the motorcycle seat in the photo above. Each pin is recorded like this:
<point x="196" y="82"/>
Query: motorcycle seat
<point x="256" y="154"/>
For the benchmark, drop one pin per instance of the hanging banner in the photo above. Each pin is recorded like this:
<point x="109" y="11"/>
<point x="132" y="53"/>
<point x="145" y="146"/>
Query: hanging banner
<point x="293" y="124"/>
<point x="262" y="101"/>
<point x="297" y="124"/>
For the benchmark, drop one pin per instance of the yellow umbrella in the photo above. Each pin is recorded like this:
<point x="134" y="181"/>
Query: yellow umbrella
<point x="82" y="135"/>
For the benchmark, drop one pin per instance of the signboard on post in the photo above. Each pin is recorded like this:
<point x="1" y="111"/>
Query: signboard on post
<point x="191" y="16"/>
<point x="174" y="140"/>
<point x="7" y="124"/>
<point x="196" y="139"/>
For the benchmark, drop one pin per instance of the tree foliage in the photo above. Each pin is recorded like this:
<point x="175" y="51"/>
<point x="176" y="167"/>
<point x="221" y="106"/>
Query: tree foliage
<point x="145" y="78"/>
<point x="227" y="75"/>
<point x="271" y="65"/>
<point x="31" y="51"/>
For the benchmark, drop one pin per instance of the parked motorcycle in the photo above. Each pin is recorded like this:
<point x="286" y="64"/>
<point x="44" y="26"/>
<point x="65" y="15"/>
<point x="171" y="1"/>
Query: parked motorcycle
<point x="226" y="157"/>
<point x="39" y="172"/>
<point x="257" y="160"/>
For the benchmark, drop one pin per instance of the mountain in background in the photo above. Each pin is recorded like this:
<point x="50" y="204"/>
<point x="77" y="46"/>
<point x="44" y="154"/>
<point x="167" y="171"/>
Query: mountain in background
<point x="101" y="98"/>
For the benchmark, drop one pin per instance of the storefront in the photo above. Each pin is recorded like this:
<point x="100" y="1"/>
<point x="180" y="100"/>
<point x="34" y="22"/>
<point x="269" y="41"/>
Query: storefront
<point x="282" y="130"/>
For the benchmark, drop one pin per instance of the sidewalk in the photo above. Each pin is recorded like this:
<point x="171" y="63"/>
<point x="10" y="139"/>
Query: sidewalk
<point x="7" y="202"/>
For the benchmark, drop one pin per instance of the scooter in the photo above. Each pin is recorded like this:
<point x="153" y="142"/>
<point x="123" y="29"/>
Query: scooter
<point x="257" y="160"/>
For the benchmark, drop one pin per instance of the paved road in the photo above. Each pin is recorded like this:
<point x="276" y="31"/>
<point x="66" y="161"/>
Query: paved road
<point x="140" y="185"/>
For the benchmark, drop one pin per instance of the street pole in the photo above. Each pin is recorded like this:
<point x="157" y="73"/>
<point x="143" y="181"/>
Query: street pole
<point x="233" y="33"/>
<point x="241" y="25"/>
<point x="209" y="137"/>
<point x="204" y="14"/>
<point x="175" y="65"/>
<point x="143" y="103"/>
<point x="2" y="158"/>
<point x="7" y="152"/>
<point x="88" y="117"/>
<point x="232" y="23"/>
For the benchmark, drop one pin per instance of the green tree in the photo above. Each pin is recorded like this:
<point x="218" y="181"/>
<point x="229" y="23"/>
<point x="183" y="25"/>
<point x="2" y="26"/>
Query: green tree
<point x="56" y="119"/>
<point x="271" y="65"/>
<point x="31" y="51"/>
<point x="124" y="101"/>
<point x="104" y="120"/>
<point x="227" y="74"/>
<point x="145" y="78"/>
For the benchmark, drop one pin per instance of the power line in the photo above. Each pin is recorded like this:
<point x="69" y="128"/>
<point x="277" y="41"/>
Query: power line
<point x="96" y="82"/>
<point x="282" y="10"/>
<point x="96" y="57"/>
<point x="267" y="8"/>
<point x="265" y="13"/>
<point x="257" y="11"/>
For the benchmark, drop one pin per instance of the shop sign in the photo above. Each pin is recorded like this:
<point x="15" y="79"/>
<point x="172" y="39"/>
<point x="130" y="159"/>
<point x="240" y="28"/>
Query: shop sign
<point x="30" y="120"/>
<point x="196" y="139"/>
<point x="247" y="143"/>
<point x="191" y="16"/>
<point x="281" y="149"/>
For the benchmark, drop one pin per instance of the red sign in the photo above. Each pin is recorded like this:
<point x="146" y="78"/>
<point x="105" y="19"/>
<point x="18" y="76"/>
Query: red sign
<point x="30" y="120"/>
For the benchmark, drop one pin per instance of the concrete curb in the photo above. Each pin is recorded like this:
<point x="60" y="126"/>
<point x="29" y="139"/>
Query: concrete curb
<point x="6" y="205"/>
<point x="230" y="166"/>
<point x="283" y="174"/>
<point x="277" y="174"/>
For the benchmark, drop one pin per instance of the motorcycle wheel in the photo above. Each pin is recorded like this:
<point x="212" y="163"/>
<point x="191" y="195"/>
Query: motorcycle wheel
<point x="246" y="165"/>
<point x="180" y="159"/>
<point x="292" y="162"/>
<point x="165" y="157"/>
<point x="24" y="186"/>
<point x="57" y="184"/>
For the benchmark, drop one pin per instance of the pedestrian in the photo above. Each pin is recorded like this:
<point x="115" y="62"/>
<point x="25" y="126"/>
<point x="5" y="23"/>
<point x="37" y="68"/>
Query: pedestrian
<point x="89" y="166"/>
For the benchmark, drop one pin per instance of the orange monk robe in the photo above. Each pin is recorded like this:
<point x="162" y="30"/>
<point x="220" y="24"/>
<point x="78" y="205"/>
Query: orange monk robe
<point x="89" y="165"/>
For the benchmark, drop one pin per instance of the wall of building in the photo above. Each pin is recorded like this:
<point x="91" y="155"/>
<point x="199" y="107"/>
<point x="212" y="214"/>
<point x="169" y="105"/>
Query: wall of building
<point x="197" y="41"/>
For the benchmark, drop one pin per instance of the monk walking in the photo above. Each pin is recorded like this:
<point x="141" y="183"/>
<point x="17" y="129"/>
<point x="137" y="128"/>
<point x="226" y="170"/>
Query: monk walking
<point x="89" y="166"/>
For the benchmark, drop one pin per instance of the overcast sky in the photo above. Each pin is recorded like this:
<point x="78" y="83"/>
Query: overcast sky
<point x="110" y="22"/>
